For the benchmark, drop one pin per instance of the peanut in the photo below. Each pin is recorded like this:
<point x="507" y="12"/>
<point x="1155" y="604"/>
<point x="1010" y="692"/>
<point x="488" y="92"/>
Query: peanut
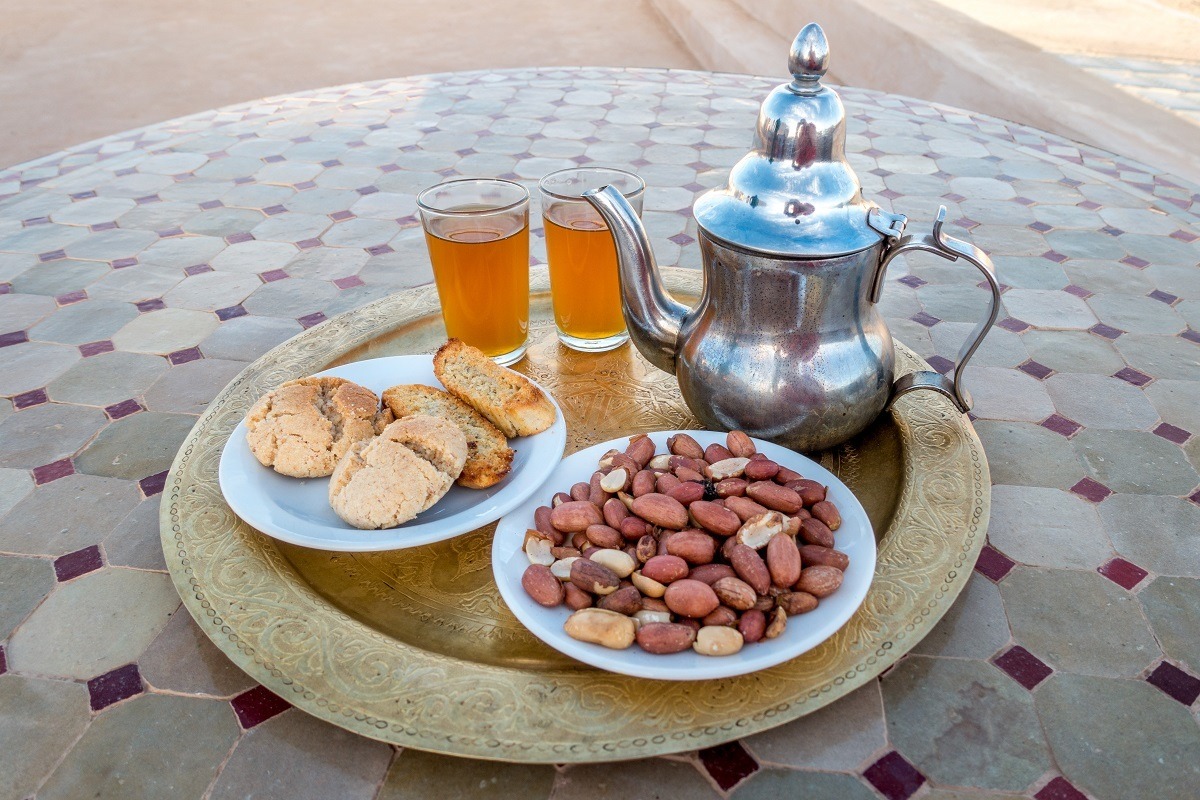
<point x="715" y="640"/>
<point x="594" y="577"/>
<point x="662" y="638"/>
<point x="641" y="450"/>
<point x="783" y="561"/>
<point x="665" y="483"/>
<point x="687" y="493"/>
<point x="721" y="615"/>
<point x="647" y="586"/>
<point x="683" y="445"/>
<point x="795" y="603"/>
<point x="627" y="600"/>
<point x="729" y="468"/>
<point x="761" y="469"/>
<point x="711" y="573"/>
<point x="581" y="491"/>
<point x="616" y="481"/>
<point x="752" y="625"/>
<point x="643" y="483"/>
<point x="715" y="452"/>
<point x="575" y="516"/>
<point x="774" y="496"/>
<point x="815" y="555"/>
<point x="689" y="598"/>
<point x="714" y="517"/>
<point x="604" y="536"/>
<point x="813" y="531"/>
<point x="665" y="569"/>
<point x="602" y="627"/>
<point x="819" y="581"/>
<point x="740" y="444"/>
<point x="744" y="507"/>
<point x="613" y="512"/>
<point x="777" y="625"/>
<point x="537" y="548"/>
<point x="731" y="487"/>
<point x="576" y="598"/>
<point x="541" y="584"/>
<point x="692" y="546"/>
<point x="660" y="510"/>
<point x="620" y="562"/>
<point x="735" y="593"/>
<point x="827" y="512"/>
<point x="810" y="491"/>
<point x="562" y="568"/>
<point x="750" y="567"/>
<point x="758" y="531"/>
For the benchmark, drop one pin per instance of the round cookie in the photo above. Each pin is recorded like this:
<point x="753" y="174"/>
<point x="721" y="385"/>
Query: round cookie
<point x="388" y="480"/>
<point x="305" y="426"/>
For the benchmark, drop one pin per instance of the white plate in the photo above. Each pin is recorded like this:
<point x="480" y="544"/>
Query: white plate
<point x="297" y="510"/>
<point x="855" y="538"/>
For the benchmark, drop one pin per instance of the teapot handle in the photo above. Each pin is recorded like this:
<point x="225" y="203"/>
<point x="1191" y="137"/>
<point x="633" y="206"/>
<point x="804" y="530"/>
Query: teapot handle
<point x="951" y="249"/>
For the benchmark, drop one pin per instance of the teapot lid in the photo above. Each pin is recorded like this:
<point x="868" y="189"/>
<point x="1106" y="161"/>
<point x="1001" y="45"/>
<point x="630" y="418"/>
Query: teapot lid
<point x="794" y="194"/>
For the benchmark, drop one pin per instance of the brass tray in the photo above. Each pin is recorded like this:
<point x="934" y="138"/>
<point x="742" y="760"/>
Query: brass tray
<point x="416" y="647"/>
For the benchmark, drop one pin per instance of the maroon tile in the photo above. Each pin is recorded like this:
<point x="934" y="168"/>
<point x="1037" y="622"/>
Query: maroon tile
<point x="272" y="275"/>
<point x="30" y="399"/>
<point x="333" y="162"/>
<point x="147" y="199"/>
<point x="83" y="195"/>
<point x="1025" y="201"/>
<point x="366" y="190"/>
<point x="150" y="305"/>
<point x="912" y="281"/>
<point x="407" y="221"/>
<point x="243" y="180"/>
<point x="928" y="320"/>
<point x="391" y="167"/>
<point x="1134" y="261"/>
<point x="13" y="337"/>
<point x="115" y="686"/>
<point x="894" y="777"/>
<point x="1195" y="497"/>
<point x="953" y="197"/>
<point x="209" y="205"/>
<point x="1091" y="490"/>
<point x="257" y="705"/>
<point x="890" y="194"/>
<point x="682" y="239"/>
<point x="53" y="255"/>
<point x="1055" y="256"/>
<point x="27" y="223"/>
<point x="1022" y="666"/>
<point x="6" y="288"/>
<point x="308" y="244"/>
<point x="102" y="226"/>
<point x="1039" y="226"/>
<point x="81" y="562"/>
<point x="121" y="263"/>
<point x="1162" y="297"/>
<point x="3" y="661"/>
<point x="728" y="764"/>
<point x="1107" y="331"/>
<point x="153" y="484"/>
<point x="70" y="298"/>
<point x="275" y="159"/>
<point x="1123" y="573"/>
<point x="1061" y="425"/>
<point x="1059" y="789"/>
<point x="349" y="282"/>
<point x="238" y="238"/>
<point x="53" y="471"/>
<point x="1191" y="335"/>
<point x="197" y="269"/>
<point x="1184" y="236"/>
<point x="1131" y="375"/>
<point x="966" y="223"/>
<point x="271" y="211"/>
<point x="309" y="320"/>
<point x="170" y="233"/>
<point x="184" y="356"/>
<point x="96" y="348"/>
<point x="1013" y="324"/>
<point x="1177" y="684"/>
<point x="231" y="312"/>
<point x="993" y="564"/>
<point x="1039" y="371"/>
<point x="123" y="408"/>
<point x="941" y="364"/>
<point x="380" y="249"/>
<point x="1172" y="433"/>
<point x="1078" y="291"/>
<point x="1112" y="231"/>
<point x="302" y="185"/>
<point x="1090" y="205"/>
<point x="338" y="216"/>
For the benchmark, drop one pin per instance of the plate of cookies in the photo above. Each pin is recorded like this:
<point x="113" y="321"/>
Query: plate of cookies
<point x="390" y="453"/>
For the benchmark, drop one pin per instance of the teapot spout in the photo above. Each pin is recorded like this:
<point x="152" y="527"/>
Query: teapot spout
<point x="653" y="317"/>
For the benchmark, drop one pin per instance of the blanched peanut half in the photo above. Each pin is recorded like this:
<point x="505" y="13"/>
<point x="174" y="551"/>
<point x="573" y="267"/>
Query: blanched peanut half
<point x="648" y="586"/>
<point x="717" y="640"/>
<point x="647" y="615"/>
<point x="598" y="626"/>
<point x="618" y="561"/>
<point x="537" y="549"/>
<point x="562" y="568"/>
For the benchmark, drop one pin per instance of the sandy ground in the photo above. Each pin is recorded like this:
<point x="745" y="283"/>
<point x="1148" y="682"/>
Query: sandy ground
<point x="72" y="70"/>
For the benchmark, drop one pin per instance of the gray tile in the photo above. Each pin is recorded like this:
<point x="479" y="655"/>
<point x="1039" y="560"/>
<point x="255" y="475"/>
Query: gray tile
<point x="209" y="291"/>
<point x="135" y="541"/>
<point x="183" y="659"/>
<point x="136" y="446"/>
<point x="634" y="780"/>
<point x="107" y="379"/>
<point x="29" y="366"/>
<point x="59" y="277"/>
<point x="1161" y="356"/>
<point x="47" y="433"/>
<point x="165" y="331"/>
<point x="39" y="721"/>
<point x="1025" y="454"/>
<point x="124" y="752"/>
<point x="26" y="582"/>
<point x="183" y="251"/>
<point x="1007" y="394"/>
<point x="67" y="515"/>
<point x="328" y="263"/>
<point x="968" y="794"/>
<point x="1073" y="352"/>
<point x="1078" y="621"/>
<point x="21" y="311"/>
<point x="223" y="222"/>
<point x="1118" y="738"/>
<point x="1049" y="309"/>
<point x="1136" y="314"/>
<point x="15" y="486"/>
<point x="294" y="297"/>
<point x="1109" y="278"/>
<point x="1026" y="272"/>
<point x="94" y="624"/>
<point x="1132" y="461"/>
<point x="961" y="301"/>
<point x="134" y="284"/>
<point x="1173" y="607"/>
<point x="773" y="784"/>
<point x="80" y="323"/>
<point x="1161" y="534"/>
<point x="247" y="338"/>
<point x="297" y="756"/>
<point x="1098" y="401"/>
<point x="964" y="723"/>
<point x="1047" y="528"/>
<point x="189" y="388"/>
<point x="974" y="627"/>
<point x="838" y="737"/>
<point x="1176" y="402"/>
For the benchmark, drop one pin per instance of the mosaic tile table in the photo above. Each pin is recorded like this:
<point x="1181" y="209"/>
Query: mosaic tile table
<point x="139" y="273"/>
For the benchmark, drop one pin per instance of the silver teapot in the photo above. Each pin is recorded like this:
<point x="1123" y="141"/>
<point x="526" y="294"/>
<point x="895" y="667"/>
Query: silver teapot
<point x="787" y="342"/>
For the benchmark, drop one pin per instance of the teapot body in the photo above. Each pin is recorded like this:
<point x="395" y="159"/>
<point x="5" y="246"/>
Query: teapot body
<point x="791" y="350"/>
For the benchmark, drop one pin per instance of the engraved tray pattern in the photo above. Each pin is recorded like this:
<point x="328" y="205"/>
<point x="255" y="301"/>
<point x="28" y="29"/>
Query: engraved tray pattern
<point x="415" y="647"/>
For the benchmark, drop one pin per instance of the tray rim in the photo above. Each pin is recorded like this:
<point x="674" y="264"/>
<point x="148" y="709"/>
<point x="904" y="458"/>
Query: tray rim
<point x="315" y="348"/>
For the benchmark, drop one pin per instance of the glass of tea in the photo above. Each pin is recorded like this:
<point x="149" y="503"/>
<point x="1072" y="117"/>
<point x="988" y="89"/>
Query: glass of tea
<point x="583" y="260"/>
<point x="477" y="231"/>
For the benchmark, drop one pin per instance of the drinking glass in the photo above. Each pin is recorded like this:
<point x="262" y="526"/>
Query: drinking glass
<point x="584" y="284"/>
<point x="477" y="231"/>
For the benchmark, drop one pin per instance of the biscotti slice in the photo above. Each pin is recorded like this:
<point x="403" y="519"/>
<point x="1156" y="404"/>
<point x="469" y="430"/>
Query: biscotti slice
<point x="388" y="480"/>
<point x="510" y="401"/>
<point x="489" y="457"/>
<point x="302" y="428"/>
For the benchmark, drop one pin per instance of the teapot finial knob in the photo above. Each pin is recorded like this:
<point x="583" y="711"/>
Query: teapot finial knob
<point x="809" y="59"/>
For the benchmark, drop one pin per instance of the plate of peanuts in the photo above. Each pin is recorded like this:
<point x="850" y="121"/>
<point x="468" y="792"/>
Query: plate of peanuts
<point x="685" y="555"/>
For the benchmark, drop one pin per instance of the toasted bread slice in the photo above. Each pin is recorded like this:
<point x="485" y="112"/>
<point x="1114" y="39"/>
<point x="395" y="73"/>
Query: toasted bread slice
<point x="488" y="455"/>
<point x="510" y="401"/>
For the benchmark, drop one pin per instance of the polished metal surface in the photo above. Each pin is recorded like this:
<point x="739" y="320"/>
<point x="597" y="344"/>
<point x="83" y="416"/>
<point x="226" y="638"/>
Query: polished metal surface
<point x="794" y="192"/>
<point x="786" y="342"/>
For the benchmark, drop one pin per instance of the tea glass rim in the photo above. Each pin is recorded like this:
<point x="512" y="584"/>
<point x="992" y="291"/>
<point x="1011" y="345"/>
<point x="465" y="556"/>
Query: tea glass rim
<point x="629" y="195"/>
<point x="424" y="206"/>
